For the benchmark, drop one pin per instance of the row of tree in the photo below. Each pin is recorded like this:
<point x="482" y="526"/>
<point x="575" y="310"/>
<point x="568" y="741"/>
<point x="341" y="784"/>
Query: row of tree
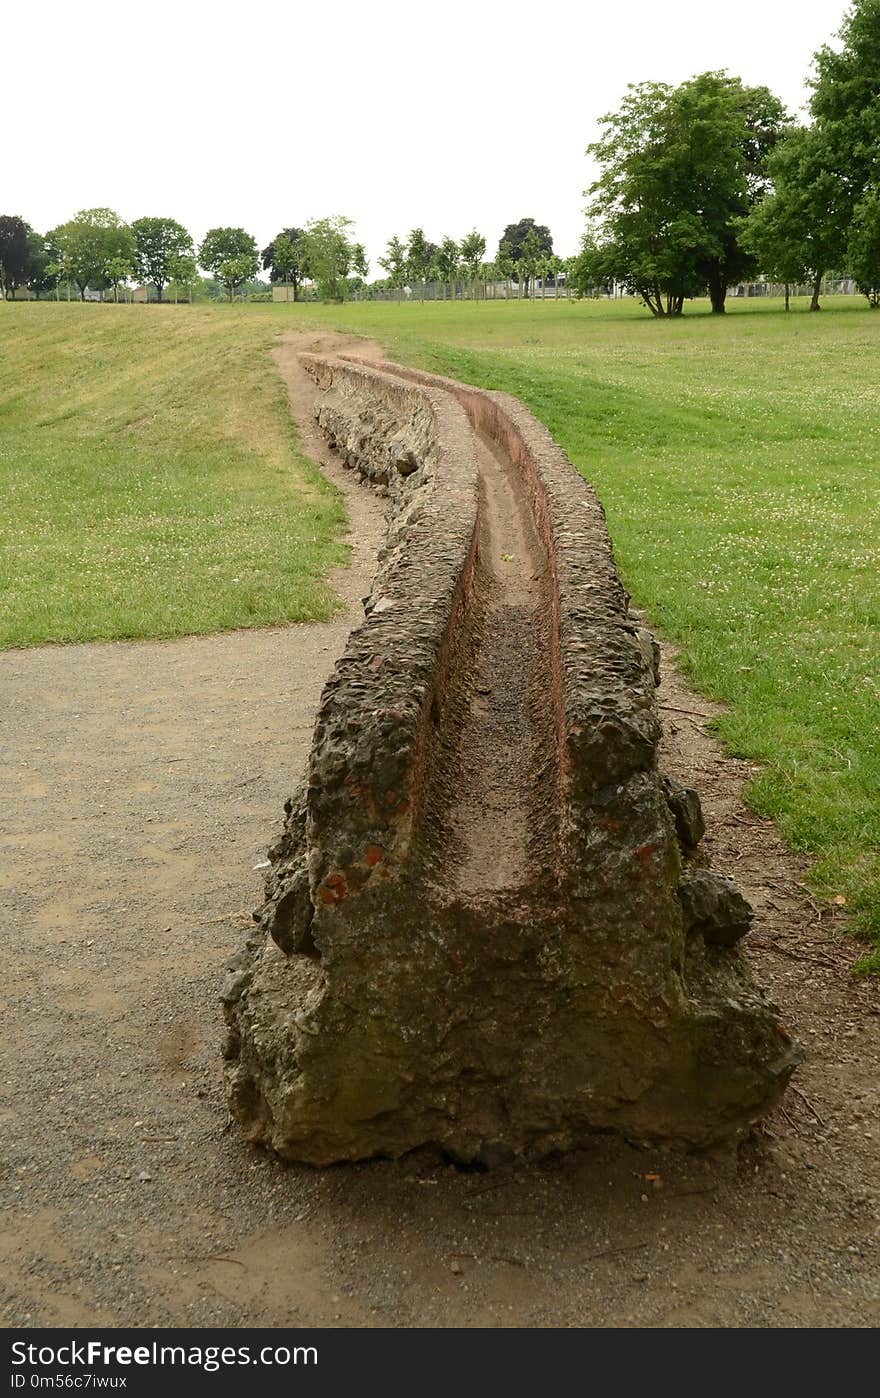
<point x="706" y="184"/>
<point x="701" y="186"/>
<point x="525" y="253"/>
<point x="97" y="249"/>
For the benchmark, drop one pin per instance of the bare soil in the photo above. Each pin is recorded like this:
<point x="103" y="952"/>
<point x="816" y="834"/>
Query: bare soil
<point x="498" y="803"/>
<point x="139" y="787"/>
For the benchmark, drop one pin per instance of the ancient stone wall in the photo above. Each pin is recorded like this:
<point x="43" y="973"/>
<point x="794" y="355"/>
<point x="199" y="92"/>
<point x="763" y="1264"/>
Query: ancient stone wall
<point x="488" y="925"/>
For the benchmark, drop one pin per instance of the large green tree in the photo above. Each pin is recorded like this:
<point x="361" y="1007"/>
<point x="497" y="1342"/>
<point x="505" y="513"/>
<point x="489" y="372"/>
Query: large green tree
<point x="845" y="105"/>
<point x="89" y="243"/>
<point x="15" y="253"/>
<point x="43" y="258"/>
<point x="800" y="229"/>
<point x="845" y="100"/>
<point x="863" y="248"/>
<point x="821" y="209"/>
<point x="158" y="242"/>
<point x="231" y="255"/>
<point x="680" y="169"/>
<point x="726" y="131"/>
<point x="284" y="259"/>
<point x="524" y="242"/>
<point x="332" y="256"/>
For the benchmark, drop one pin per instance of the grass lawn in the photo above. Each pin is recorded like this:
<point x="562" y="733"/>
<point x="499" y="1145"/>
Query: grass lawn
<point x="738" y="459"/>
<point x="150" y="479"/>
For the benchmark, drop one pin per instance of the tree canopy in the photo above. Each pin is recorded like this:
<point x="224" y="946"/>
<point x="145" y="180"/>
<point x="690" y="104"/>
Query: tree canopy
<point x="472" y="252"/>
<point x="394" y="262"/>
<point x="420" y="255"/>
<point x="863" y="248"/>
<point x="332" y="256"/>
<point x="515" y="236"/>
<point x="284" y="258"/>
<point x="845" y="105"/>
<point x="231" y="254"/>
<point x="680" y="169"/>
<point x="447" y="260"/>
<point x="799" y="230"/>
<point x="158" y="243"/>
<point x="16" y="253"/>
<point x="88" y="243"/>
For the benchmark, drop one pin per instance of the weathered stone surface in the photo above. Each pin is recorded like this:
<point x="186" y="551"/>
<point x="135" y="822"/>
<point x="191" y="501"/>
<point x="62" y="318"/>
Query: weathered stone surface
<point x="684" y="803"/>
<point x="714" y="908"/>
<point x="593" y="986"/>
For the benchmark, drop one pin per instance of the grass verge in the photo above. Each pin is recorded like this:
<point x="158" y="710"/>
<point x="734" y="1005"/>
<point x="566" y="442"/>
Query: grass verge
<point x="150" y="477"/>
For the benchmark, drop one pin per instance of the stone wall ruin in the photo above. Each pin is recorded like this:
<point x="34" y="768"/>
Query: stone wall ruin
<point x="488" y="925"/>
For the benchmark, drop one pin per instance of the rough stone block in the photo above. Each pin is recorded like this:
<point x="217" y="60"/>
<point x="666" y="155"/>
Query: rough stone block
<point x="478" y="932"/>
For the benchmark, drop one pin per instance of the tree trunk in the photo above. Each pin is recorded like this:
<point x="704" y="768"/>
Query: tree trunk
<point x="787" y="296"/>
<point x="717" y="292"/>
<point x="814" y="303"/>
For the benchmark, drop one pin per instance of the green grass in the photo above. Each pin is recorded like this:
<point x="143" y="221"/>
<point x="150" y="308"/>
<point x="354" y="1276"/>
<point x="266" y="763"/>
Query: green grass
<point x="738" y="459"/>
<point x="150" y="479"/>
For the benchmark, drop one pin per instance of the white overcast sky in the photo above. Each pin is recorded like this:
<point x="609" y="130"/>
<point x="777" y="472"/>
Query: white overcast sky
<point x="448" y="116"/>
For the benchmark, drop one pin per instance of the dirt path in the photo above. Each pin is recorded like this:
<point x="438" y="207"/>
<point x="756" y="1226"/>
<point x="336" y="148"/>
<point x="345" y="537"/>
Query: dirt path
<point x="500" y="776"/>
<point x="139" y="786"/>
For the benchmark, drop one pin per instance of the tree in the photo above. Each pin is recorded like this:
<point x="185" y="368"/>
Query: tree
<point x="524" y="235"/>
<point x="774" y="234"/>
<point x="845" y="102"/>
<point x="531" y="259"/>
<point x="800" y="229"/>
<point x="863" y="249"/>
<point x="845" y="105"/>
<point x="394" y="262"/>
<point x="183" y="276"/>
<point x="158" y="241"/>
<point x="235" y="271"/>
<point x="231" y="254"/>
<point x="15" y="253"/>
<point x="283" y="259"/>
<point x="589" y="272"/>
<point x="118" y="270"/>
<point x="680" y="169"/>
<point x="726" y="132"/>
<point x="332" y="255"/>
<point x="447" y="260"/>
<point x="43" y="258"/>
<point x="88" y="244"/>
<point x="505" y="266"/>
<point x="473" y="250"/>
<point x="555" y="266"/>
<point x="419" y="256"/>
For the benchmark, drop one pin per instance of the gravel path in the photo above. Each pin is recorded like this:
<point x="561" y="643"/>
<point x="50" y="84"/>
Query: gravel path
<point x="141" y="784"/>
